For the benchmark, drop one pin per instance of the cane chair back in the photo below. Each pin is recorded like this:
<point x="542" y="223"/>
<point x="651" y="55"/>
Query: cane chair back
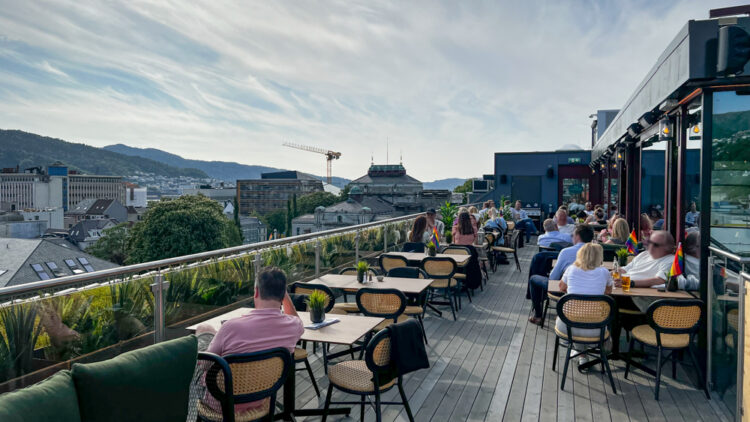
<point x="384" y="303"/>
<point x="586" y="312"/>
<point x="388" y="262"/>
<point x="308" y="288"/>
<point x="671" y="316"/>
<point x="456" y="250"/>
<point x="378" y="351"/>
<point x="439" y="267"/>
<point x="353" y="271"/>
<point x="407" y="272"/>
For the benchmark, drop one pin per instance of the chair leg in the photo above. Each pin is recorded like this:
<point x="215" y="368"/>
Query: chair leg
<point x="674" y="364"/>
<point x="328" y="402"/>
<point x="453" y="308"/>
<point x="554" y="352"/>
<point x="605" y="362"/>
<point x="658" y="372"/>
<point x="544" y="312"/>
<point x="421" y="324"/>
<point x="378" y="415"/>
<point x="406" y="401"/>
<point x="518" y="264"/>
<point x="630" y="356"/>
<point x="698" y="371"/>
<point x="565" y="369"/>
<point x="312" y="377"/>
<point x="362" y="408"/>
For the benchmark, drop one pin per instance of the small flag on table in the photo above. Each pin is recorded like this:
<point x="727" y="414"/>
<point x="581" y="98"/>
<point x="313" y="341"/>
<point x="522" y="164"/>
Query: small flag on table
<point x="435" y="237"/>
<point x="631" y="242"/>
<point x="679" y="262"/>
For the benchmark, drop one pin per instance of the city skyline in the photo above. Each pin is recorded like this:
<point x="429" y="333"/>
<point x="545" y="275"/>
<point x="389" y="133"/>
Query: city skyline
<point x="232" y="83"/>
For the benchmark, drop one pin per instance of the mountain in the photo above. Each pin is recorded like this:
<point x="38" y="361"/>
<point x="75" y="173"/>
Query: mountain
<point x="23" y="149"/>
<point x="449" y="184"/>
<point x="223" y="170"/>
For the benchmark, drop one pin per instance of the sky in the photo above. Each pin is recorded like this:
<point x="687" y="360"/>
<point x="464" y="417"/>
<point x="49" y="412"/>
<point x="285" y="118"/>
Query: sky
<point x="440" y="85"/>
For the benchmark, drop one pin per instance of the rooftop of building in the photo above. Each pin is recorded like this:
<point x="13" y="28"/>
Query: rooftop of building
<point x="80" y="231"/>
<point x="387" y="174"/>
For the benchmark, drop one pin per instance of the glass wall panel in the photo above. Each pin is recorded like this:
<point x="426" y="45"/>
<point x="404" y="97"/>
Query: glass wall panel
<point x="652" y="186"/>
<point x="575" y="191"/>
<point x="692" y="184"/>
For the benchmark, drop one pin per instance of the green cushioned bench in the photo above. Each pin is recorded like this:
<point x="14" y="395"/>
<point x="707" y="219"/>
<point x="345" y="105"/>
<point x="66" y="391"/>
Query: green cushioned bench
<point x="149" y="384"/>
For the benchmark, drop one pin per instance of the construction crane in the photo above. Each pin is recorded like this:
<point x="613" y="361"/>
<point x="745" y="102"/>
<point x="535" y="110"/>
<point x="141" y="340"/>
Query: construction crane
<point x="330" y="156"/>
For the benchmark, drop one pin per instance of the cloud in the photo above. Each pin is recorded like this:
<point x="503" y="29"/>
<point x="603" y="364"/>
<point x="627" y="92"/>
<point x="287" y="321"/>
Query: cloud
<point x="444" y="83"/>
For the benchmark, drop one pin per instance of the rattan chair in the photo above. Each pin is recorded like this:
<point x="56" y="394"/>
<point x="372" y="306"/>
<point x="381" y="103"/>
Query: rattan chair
<point x="442" y="270"/>
<point x="417" y="308"/>
<point x="513" y="247"/>
<point x="584" y="312"/>
<point x="551" y="298"/>
<point x="362" y="378"/>
<point x="490" y="239"/>
<point x="346" y="306"/>
<point x="460" y="274"/>
<point x="300" y="353"/>
<point x="383" y="303"/>
<point x="250" y="377"/>
<point x="388" y="262"/>
<point x="672" y="325"/>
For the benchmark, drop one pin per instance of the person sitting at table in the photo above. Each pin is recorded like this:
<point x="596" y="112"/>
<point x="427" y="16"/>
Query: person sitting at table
<point x="523" y="221"/>
<point x="691" y="217"/>
<point x="475" y="213"/>
<point x="433" y="222"/>
<point x="538" y="284"/>
<point x="596" y="217"/>
<point x="606" y="233"/>
<point x="620" y="232"/>
<point x="588" y="209"/>
<point x="465" y="231"/>
<point x="552" y="235"/>
<point x="650" y="268"/>
<point x="563" y="224"/>
<point x="646" y="229"/>
<point x="419" y="233"/>
<point x="263" y="328"/>
<point x="496" y="223"/>
<point x="586" y="276"/>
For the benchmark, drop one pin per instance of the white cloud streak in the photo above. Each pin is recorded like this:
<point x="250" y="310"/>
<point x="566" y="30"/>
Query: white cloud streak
<point x="446" y="83"/>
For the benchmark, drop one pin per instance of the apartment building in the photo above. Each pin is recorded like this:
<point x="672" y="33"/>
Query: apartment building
<point x="272" y="190"/>
<point x="29" y="190"/>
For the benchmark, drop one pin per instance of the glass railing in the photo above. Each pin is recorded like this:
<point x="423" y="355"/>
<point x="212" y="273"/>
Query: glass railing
<point x="47" y="326"/>
<point x="726" y="293"/>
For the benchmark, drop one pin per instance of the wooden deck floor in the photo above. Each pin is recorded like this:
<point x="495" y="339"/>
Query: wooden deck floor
<point x="493" y="365"/>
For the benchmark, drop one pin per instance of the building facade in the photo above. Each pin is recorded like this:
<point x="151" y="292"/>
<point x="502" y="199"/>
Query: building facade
<point x="357" y="209"/>
<point x="272" y="191"/>
<point x="390" y="183"/>
<point x="32" y="190"/>
<point x="135" y="196"/>
<point x="253" y="230"/>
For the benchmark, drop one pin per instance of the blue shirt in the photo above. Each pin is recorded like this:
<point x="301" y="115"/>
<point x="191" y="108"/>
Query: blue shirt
<point x="564" y="260"/>
<point x="549" y="238"/>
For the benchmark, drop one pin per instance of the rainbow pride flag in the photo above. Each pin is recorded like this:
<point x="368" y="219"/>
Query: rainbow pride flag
<point x="631" y="242"/>
<point x="435" y="237"/>
<point x="679" y="262"/>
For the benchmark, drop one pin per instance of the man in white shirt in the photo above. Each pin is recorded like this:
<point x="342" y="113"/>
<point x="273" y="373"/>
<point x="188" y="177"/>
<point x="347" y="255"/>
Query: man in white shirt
<point x="561" y="218"/>
<point x="650" y="268"/>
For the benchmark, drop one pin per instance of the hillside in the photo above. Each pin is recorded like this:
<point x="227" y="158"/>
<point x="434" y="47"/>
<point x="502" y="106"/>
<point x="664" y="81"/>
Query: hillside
<point x="449" y="184"/>
<point x="23" y="149"/>
<point x="223" y="170"/>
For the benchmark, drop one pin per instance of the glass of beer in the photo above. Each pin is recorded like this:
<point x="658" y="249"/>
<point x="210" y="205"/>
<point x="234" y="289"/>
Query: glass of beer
<point x="625" y="281"/>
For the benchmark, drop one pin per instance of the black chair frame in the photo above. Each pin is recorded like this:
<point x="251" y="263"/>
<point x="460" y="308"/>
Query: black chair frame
<point x="417" y="300"/>
<point x="451" y="301"/>
<point x="413" y="247"/>
<point x="597" y="351"/>
<point x="691" y="331"/>
<point x="391" y="256"/>
<point x="228" y="400"/>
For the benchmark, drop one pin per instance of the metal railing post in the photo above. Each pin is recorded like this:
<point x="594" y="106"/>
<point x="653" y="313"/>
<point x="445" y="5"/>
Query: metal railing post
<point x="709" y="321"/>
<point x="158" y="288"/>
<point x="257" y="265"/>
<point x="385" y="238"/>
<point x="741" y="344"/>
<point x="356" y="248"/>
<point x="318" y="247"/>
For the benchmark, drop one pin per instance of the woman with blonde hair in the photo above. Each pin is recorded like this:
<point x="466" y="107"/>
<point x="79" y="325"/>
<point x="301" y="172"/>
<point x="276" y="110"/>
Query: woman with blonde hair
<point x="620" y="232"/>
<point x="586" y="276"/>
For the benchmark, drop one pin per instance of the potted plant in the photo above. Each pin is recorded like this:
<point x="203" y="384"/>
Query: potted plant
<point x="671" y="283"/>
<point x="622" y="257"/>
<point x="362" y="269"/>
<point x="448" y="236"/>
<point x="431" y="249"/>
<point x="316" y="305"/>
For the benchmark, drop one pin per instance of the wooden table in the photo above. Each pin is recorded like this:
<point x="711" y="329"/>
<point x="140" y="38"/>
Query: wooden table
<point x="347" y="331"/>
<point x="419" y="256"/>
<point x="610" y="265"/>
<point x="349" y="282"/>
<point x="553" y="286"/>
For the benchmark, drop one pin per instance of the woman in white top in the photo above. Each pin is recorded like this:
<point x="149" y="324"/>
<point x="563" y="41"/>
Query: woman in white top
<point x="586" y="276"/>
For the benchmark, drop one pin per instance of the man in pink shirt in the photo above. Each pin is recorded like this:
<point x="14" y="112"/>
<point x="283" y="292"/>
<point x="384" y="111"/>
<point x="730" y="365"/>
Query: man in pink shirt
<point x="263" y="328"/>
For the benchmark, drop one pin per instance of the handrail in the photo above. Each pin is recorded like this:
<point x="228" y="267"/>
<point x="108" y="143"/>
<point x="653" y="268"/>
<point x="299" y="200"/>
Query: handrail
<point x="127" y="270"/>
<point x="733" y="257"/>
<point x="745" y="275"/>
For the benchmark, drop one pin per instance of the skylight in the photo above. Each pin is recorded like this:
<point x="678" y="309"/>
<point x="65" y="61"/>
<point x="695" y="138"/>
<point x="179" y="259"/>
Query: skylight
<point x="55" y="269"/>
<point x="73" y="266"/>
<point x="39" y="270"/>
<point x="86" y="265"/>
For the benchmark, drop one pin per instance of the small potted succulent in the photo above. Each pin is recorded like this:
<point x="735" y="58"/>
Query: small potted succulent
<point x="431" y="249"/>
<point x="362" y="269"/>
<point x="448" y="237"/>
<point x="622" y="257"/>
<point x="316" y="305"/>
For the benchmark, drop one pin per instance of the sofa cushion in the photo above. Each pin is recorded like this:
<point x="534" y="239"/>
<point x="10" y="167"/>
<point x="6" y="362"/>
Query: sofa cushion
<point x="53" y="399"/>
<point x="149" y="384"/>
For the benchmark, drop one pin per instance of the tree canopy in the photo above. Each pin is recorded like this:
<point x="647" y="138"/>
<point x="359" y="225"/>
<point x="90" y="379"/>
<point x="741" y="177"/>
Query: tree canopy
<point x="182" y="226"/>
<point x="113" y="245"/>
<point x="307" y="203"/>
<point x="468" y="186"/>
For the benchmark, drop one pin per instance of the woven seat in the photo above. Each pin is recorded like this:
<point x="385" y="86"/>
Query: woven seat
<point x="502" y="249"/>
<point x="413" y="310"/>
<point x="300" y="354"/>
<point x="206" y="412"/>
<point x="444" y="283"/>
<point x="388" y="262"/>
<point x="579" y="339"/>
<point x="353" y="375"/>
<point x="348" y="307"/>
<point x="459" y="276"/>
<point x="647" y="335"/>
<point x="389" y="321"/>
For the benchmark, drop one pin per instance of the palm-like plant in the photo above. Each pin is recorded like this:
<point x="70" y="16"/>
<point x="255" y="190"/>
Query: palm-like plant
<point x="22" y="328"/>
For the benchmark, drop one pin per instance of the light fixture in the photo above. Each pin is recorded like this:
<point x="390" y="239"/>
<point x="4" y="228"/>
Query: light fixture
<point x="619" y="155"/>
<point x="648" y="119"/>
<point x="697" y="129"/>
<point x="602" y="166"/>
<point x="634" y="130"/>
<point x="614" y="165"/>
<point x="668" y="105"/>
<point x="665" y="129"/>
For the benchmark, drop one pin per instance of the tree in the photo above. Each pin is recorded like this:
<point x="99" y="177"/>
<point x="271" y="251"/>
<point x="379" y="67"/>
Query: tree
<point x="113" y="245"/>
<point x="294" y="205"/>
<point x="309" y="202"/>
<point x="182" y="226"/>
<point x="468" y="186"/>
<point x="344" y="195"/>
<point x="288" y="225"/>
<point x="275" y="220"/>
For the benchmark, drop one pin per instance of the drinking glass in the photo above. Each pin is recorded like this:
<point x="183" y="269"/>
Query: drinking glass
<point x="625" y="279"/>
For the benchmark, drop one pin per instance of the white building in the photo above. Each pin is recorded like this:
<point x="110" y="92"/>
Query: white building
<point x="136" y="196"/>
<point x="53" y="216"/>
<point x="20" y="191"/>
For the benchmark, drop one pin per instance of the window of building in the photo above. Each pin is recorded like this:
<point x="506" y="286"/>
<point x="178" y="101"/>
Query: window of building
<point x="39" y="270"/>
<point x="73" y="266"/>
<point x="3" y="272"/>
<point x="55" y="269"/>
<point x="86" y="265"/>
